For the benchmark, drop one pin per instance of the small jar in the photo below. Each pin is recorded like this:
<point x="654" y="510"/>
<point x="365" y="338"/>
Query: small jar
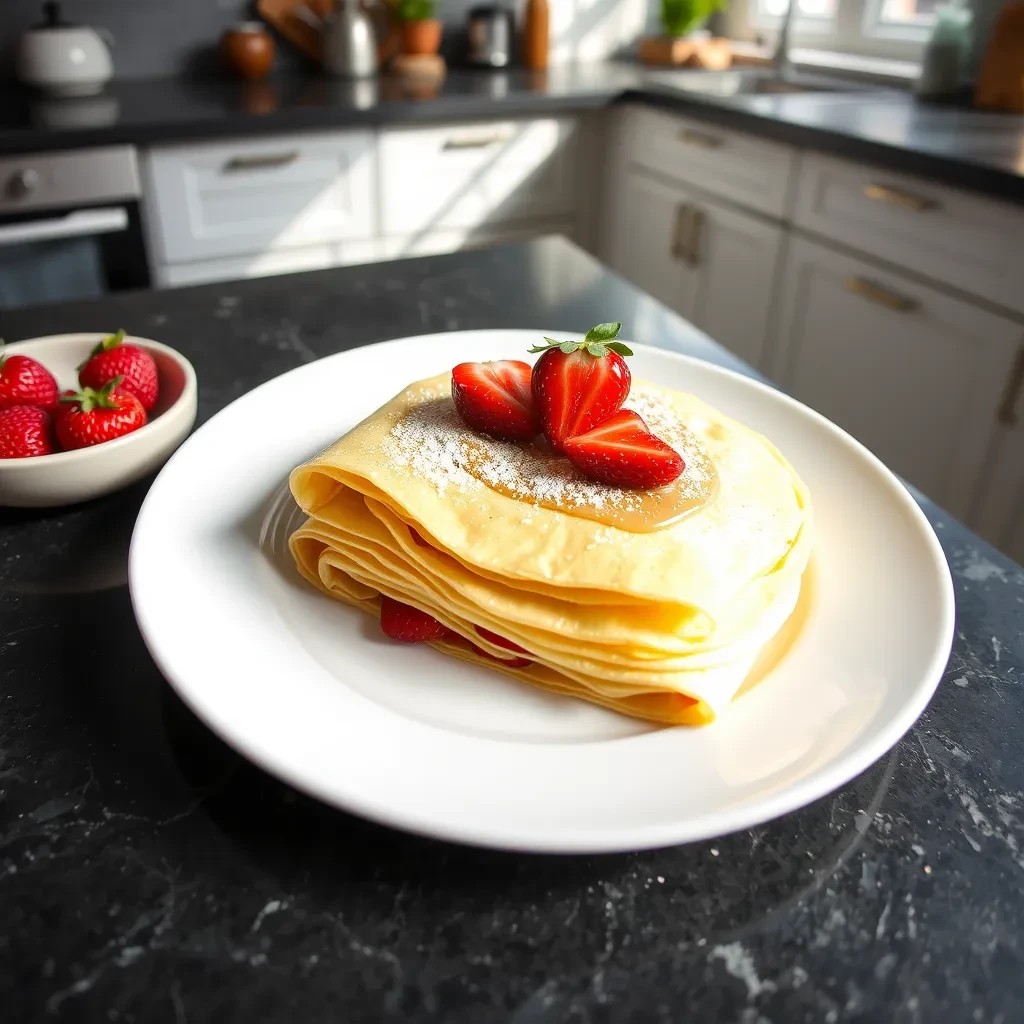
<point x="248" y="50"/>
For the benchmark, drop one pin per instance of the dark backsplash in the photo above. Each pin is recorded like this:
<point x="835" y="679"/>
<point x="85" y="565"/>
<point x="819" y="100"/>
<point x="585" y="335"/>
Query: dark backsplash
<point x="154" y="38"/>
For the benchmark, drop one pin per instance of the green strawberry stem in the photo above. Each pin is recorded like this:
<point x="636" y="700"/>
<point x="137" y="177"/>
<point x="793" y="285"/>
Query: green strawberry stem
<point x="104" y="345"/>
<point x="90" y="398"/>
<point x="598" y="342"/>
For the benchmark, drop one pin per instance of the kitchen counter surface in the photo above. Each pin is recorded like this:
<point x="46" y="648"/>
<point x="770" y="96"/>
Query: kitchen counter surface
<point x="150" y="874"/>
<point x="980" y="151"/>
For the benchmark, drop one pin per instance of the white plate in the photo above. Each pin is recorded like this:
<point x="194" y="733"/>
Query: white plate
<point x="310" y="690"/>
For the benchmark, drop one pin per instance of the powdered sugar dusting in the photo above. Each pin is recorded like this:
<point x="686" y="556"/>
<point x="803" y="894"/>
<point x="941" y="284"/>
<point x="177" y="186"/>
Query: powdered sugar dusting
<point x="437" y="446"/>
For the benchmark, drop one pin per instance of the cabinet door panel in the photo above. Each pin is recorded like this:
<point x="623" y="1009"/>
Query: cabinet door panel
<point x="912" y="373"/>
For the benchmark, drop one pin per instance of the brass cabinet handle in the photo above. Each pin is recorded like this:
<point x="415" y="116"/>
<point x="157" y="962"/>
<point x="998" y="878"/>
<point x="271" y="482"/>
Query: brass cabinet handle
<point x="1007" y="414"/>
<point x="885" y="194"/>
<point x="693" y="137"/>
<point x="679" y="231"/>
<point x="476" y="141"/>
<point x="686" y="234"/>
<point x="883" y="296"/>
<point x="261" y="161"/>
<point x="694" y="236"/>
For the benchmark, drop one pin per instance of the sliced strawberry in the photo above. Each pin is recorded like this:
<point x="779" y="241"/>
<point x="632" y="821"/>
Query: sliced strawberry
<point x="622" y="452"/>
<point x="495" y="399"/>
<point x="409" y="625"/>
<point x="500" y="641"/>
<point x="578" y="384"/>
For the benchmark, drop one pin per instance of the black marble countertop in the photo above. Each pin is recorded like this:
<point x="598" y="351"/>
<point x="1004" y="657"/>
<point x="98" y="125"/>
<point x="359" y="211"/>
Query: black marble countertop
<point x="148" y="873"/>
<point x="972" y="149"/>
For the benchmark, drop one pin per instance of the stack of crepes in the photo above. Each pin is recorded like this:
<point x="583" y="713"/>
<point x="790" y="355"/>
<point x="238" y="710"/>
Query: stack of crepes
<point x="663" y="624"/>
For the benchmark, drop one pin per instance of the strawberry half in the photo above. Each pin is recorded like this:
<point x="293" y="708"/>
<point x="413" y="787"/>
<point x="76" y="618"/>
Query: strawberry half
<point x="407" y="624"/>
<point x="622" y="452"/>
<point x="495" y="399"/>
<point x="577" y="384"/>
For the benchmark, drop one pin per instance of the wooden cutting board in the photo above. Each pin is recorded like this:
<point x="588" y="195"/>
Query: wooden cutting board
<point x="282" y="16"/>
<point x="1000" y="84"/>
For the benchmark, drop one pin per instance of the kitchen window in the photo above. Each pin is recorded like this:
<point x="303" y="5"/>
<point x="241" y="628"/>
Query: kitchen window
<point x="881" y="28"/>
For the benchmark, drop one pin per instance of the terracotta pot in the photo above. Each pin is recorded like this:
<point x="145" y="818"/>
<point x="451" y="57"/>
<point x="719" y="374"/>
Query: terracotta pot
<point x="421" y="37"/>
<point x="248" y="50"/>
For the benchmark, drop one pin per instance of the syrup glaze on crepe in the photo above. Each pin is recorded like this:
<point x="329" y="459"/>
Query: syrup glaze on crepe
<point x="434" y="443"/>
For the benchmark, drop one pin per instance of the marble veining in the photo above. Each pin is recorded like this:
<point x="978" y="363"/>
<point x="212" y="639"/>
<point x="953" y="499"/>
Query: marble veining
<point x="148" y="873"/>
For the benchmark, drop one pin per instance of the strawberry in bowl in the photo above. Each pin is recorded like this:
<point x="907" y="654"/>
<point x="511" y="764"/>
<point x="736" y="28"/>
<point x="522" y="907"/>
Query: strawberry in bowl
<point x="101" y="454"/>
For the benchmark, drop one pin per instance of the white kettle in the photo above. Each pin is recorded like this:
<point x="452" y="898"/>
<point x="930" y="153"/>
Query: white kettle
<point x="63" y="59"/>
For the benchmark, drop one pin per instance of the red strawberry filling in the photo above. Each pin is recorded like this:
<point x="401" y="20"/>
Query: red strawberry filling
<point x="409" y="625"/>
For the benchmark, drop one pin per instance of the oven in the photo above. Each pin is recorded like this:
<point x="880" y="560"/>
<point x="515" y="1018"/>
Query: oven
<point x="70" y="226"/>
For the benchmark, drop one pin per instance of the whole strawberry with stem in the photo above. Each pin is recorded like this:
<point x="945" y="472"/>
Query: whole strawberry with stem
<point x="25" y="381"/>
<point x="578" y="384"/>
<point x="97" y="416"/>
<point x="113" y="357"/>
<point x="25" y="431"/>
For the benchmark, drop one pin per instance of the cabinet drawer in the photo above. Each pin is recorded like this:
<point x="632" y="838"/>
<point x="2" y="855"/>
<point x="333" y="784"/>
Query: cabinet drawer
<point x="466" y="175"/>
<point x="204" y="201"/>
<point x="973" y="244"/>
<point x="914" y="373"/>
<point x="743" y="168"/>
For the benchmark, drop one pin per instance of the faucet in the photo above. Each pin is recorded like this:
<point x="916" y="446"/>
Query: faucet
<point x="780" y="58"/>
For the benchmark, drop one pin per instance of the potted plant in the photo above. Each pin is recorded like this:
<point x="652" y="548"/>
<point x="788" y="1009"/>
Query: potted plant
<point x="681" y="17"/>
<point x="421" y="31"/>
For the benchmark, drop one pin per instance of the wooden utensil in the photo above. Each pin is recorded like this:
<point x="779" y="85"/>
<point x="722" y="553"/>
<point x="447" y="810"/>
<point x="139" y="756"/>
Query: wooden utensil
<point x="1000" y="84"/>
<point x="713" y="54"/>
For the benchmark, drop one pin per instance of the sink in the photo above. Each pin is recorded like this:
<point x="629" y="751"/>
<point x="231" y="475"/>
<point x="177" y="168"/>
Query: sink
<point x="749" y="83"/>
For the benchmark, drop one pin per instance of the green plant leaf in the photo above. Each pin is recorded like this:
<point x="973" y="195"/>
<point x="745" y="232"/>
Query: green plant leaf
<point x="568" y="347"/>
<point x="604" y="332"/>
<point x="620" y="347"/>
<point x="678" y="17"/>
<point x="596" y="348"/>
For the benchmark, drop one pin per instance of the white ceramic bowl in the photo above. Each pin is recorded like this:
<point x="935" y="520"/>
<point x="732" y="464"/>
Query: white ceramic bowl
<point x="68" y="477"/>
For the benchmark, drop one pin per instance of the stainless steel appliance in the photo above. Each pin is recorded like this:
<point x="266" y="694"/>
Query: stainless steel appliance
<point x="491" y="31"/>
<point x="70" y="226"/>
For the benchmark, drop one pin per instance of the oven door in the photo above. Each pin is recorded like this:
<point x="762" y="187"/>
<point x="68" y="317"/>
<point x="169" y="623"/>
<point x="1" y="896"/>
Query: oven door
<point x="70" y="254"/>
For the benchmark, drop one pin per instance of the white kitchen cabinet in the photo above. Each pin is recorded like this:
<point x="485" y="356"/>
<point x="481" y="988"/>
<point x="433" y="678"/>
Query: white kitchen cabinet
<point x="712" y="263"/>
<point x="998" y="512"/>
<point x="460" y="176"/>
<point x="913" y="373"/>
<point x="251" y="197"/>
<point x="974" y="244"/>
<point x="754" y="172"/>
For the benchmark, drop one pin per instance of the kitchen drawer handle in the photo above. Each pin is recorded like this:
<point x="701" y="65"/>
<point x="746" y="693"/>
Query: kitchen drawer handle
<point x="686" y="235"/>
<point x="883" y="296"/>
<point x="705" y="140"/>
<point x="262" y="161"/>
<point x="680" y="231"/>
<point x="885" y="194"/>
<point x="477" y="141"/>
<point x="1007" y="414"/>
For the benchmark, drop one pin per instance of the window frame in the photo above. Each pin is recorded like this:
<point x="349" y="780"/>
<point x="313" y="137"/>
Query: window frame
<point x="857" y="28"/>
